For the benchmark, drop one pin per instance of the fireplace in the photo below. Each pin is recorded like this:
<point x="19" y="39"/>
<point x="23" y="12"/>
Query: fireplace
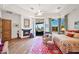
<point x="26" y="32"/>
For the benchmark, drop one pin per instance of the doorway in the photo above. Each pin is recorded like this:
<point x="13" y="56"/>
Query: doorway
<point x="39" y="29"/>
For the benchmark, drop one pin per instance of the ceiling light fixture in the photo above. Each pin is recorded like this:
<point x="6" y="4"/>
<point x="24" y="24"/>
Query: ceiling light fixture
<point x="39" y="11"/>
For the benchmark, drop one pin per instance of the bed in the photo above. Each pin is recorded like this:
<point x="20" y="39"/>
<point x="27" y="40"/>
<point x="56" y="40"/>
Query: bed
<point x="66" y="44"/>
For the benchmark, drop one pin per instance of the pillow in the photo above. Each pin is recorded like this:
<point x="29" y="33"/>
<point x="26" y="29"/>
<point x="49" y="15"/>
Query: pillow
<point x="76" y="35"/>
<point x="76" y="31"/>
<point x="67" y="32"/>
<point x="70" y="35"/>
<point x="70" y="30"/>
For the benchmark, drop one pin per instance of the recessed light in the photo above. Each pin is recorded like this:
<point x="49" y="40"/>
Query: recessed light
<point x="32" y="8"/>
<point x="9" y="12"/>
<point x="58" y="7"/>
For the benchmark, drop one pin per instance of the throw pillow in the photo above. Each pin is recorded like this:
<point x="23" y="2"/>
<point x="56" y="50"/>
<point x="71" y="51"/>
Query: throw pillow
<point x="76" y="35"/>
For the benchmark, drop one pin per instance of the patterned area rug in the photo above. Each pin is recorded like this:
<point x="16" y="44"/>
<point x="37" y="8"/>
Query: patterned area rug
<point x="39" y="48"/>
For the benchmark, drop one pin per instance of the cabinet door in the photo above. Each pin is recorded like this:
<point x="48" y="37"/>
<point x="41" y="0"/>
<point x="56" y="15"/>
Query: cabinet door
<point x="6" y="25"/>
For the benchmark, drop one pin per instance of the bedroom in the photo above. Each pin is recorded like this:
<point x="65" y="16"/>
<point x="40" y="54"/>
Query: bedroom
<point x="23" y="21"/>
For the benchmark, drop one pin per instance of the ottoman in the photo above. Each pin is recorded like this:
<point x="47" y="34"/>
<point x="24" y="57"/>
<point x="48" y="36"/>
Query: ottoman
<point x="50" y="45"/>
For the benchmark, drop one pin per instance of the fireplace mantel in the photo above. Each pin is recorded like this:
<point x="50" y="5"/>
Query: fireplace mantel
<point x="26" y="32"/>
<point x="26" y="28"/>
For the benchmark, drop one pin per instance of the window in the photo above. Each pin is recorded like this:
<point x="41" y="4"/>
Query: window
<point x="55" y="24"/>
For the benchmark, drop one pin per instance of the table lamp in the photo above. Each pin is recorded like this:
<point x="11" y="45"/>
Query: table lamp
<point x="63" y="30"/>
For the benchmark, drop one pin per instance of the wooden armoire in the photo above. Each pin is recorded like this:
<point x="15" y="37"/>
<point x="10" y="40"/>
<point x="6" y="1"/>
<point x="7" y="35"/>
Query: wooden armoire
<point x="5" y="26"/>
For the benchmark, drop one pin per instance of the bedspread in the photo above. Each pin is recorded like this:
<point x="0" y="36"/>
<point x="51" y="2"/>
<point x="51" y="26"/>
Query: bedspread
<point x="66" y="44"/>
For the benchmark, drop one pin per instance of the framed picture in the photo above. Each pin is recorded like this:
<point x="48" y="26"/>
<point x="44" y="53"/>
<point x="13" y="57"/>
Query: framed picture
<point x="26" y="23"/>
<point x="76" y="25"/>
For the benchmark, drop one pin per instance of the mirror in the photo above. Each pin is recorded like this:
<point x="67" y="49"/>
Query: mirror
<point x="26" y="23"/>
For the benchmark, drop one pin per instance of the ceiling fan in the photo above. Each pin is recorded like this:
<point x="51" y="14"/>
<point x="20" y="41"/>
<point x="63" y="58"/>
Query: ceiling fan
<point x="39" y="11"/>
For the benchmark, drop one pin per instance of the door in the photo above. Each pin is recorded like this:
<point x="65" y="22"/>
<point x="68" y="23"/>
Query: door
<point x="6" y="29"/>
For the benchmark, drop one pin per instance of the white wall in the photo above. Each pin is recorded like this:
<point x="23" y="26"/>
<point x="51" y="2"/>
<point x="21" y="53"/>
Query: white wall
<point x="0" y="13"/>
<point x="0" y="9"/>
<point x="16" y="19"/>
<point x="22" y="24"/>
<point x="72" y="17"/>
<point x="33" y="26"/>
<point x="46" y="24"/>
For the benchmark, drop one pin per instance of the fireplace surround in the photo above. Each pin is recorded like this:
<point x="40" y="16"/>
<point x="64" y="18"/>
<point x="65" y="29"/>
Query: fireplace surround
<point x="26" y="32"/>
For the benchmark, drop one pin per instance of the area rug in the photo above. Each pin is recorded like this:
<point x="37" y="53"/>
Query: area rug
<point x="39" y="48"/>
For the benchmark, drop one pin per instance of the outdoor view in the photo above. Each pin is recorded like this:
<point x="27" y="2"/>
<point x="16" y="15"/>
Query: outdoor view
<point x="54" y="24"/>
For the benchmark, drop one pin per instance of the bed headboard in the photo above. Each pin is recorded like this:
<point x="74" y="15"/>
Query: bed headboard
<point x="76" y="31"/>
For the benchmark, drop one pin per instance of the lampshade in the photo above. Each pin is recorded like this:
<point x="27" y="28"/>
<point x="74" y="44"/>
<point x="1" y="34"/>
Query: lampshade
<point x="62" y="29"/>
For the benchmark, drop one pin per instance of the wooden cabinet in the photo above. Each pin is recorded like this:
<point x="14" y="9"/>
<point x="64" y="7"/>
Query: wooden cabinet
<point x="6" y="29"/>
